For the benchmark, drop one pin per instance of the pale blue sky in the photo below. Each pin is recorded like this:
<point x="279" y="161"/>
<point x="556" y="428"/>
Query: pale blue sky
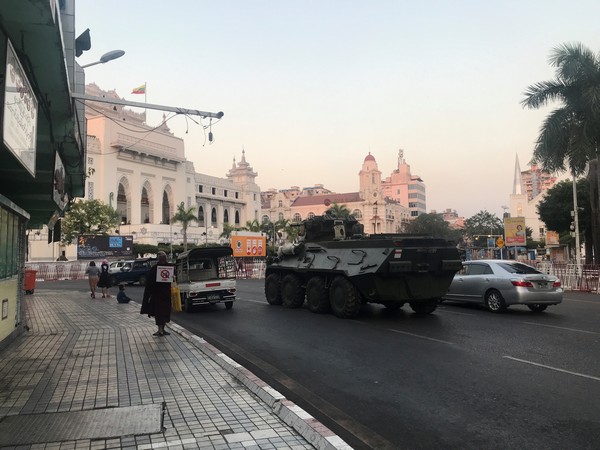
<point x="308" y="88"/>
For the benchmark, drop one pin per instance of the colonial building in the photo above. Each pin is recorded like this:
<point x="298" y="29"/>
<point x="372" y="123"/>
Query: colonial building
<point x="371" y="206"/>
<point x="406" y="188"/>
<point x="142" y="172"/>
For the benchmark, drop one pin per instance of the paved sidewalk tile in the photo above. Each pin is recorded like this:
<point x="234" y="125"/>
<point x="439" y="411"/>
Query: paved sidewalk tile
<point x="81" y="354"/>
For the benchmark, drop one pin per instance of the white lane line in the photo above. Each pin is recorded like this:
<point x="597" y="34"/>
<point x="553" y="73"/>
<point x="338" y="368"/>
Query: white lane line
<point x="577" y="374"/>
<point x="561" y="328"/>
<point x="420" y="336"/>
<point x="581" y="301"/>
<point x="263" y="302"/>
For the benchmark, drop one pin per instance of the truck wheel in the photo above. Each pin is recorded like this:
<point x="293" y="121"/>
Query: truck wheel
<point x="317" y="297"/>
<point x="292" y="292"/>
<point x="228" y="305"/>
<point x="273" y="289"/>
<point x="344" y="298"/>
<point x="425" y="307"/>
<point x="187" y="304"/>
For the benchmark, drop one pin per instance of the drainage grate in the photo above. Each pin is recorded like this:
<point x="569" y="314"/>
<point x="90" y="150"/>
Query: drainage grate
<point x="74" y="425"/>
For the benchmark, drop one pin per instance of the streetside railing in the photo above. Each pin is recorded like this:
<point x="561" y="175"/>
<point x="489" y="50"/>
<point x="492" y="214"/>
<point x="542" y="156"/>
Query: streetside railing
<point x="586" y="281"/>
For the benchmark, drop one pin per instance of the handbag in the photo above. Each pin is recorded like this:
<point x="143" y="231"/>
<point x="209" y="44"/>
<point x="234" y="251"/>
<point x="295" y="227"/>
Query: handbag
<point x="175" y="297"/>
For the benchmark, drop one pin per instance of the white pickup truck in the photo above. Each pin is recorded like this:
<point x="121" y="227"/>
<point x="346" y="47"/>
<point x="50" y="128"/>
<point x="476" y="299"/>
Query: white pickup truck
<point x="205" y="276"/>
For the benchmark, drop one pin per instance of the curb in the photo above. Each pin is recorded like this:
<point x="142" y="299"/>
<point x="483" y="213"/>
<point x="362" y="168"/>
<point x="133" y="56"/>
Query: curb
<point x="291" y="414"/>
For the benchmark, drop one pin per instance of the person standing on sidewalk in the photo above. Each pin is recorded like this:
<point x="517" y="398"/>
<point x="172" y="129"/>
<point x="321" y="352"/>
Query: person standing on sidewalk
<point x="92" y="271"/>
<point x="157" y="295"/>
<point x="104" y="281"/>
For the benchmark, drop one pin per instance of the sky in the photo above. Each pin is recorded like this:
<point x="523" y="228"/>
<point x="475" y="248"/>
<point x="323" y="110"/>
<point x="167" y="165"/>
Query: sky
<point x="309" y="88"/>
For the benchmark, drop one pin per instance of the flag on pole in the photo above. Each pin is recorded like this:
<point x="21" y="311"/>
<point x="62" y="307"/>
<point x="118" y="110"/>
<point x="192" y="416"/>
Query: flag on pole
<point x="140" y="89"/>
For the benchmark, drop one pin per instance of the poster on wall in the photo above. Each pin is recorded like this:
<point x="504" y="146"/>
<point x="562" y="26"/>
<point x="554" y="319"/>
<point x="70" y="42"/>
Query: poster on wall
<point x="98" y="247"/>
<point x="248" y="246"/>
<point x="59" y="192"/>
<point x="552" y="239"/>
<point x="514" y="230"/>
<point x="19" y="121"/>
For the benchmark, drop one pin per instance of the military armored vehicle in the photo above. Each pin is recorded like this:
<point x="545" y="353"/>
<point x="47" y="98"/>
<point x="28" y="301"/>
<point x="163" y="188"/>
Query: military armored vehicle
<point x="334" y="267"/>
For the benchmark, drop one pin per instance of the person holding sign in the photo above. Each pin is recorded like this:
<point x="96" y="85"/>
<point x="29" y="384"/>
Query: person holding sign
<point x="156" y="301"/>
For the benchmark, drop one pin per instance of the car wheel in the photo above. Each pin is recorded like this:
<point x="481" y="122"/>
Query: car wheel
<point x="142" y="280"/>
<point x="273" y="289"/>
<point x="494" y="301"/>
<point x="537" y="307"/>
<point x="426" y="307"/>
<point x="228" y="305"/>
<point x="292" y="292"/>
<point x="317" y="297"/>
<point x="344" y="298"/>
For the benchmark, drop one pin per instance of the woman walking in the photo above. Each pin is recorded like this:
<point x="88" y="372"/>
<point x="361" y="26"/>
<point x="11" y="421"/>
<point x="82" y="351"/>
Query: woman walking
<point x="92" y="271"/>
<point x="104" y="281"/>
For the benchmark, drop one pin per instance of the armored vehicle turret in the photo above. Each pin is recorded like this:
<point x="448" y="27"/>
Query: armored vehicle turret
<point x="334" y="267"/>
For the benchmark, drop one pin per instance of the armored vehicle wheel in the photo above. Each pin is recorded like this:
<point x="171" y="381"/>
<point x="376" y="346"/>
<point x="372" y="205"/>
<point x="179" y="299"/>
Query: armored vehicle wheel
<point x="292" y="292"/>
<point x="187" y="304"/>
<point x="344" y="298"/>
<point x="228" y="305"/>
<point x="494" y="301"/>
<point x="273" y="289"/>
<point x="425" y="307"/>
<point x="317" y="297"/>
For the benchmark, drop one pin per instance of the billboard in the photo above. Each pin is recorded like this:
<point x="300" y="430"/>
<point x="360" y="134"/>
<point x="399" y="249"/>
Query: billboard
<point x="514" y="230"/>
<point x="249" y="246"/>
<point x="91" y="246"/>
<point x="552" y="239"/>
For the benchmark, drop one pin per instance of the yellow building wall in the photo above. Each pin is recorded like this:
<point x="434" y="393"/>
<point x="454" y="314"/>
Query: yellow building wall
<point x="8" y="306"/>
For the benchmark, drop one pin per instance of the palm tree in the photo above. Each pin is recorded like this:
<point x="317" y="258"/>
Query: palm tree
<point x="340" y="211"/>
<point x="227" y="230"/>
<point x="185" y="216"/>
<point x="252" y="225"/>
<point x="569" y="138"/>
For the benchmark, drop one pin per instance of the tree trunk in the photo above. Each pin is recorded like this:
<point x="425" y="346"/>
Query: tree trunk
<point x="594" y="182"/>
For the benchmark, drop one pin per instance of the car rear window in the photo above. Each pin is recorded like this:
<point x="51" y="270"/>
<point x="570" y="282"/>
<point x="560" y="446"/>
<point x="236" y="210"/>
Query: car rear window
<point x="518" y="268"/>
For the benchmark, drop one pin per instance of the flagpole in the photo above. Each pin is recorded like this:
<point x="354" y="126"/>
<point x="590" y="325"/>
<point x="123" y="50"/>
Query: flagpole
<point x="146" y="101"/>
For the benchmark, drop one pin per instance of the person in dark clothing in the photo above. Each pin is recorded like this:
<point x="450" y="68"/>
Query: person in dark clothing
<point x="104" y="280"/>
<point x="157" y="295"/>
<point x="122" y="296"/>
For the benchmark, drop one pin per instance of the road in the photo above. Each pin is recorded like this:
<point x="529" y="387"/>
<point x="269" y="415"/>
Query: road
<point x="461" y="378"/>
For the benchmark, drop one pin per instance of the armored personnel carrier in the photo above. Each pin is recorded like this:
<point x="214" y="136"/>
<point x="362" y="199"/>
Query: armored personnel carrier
<point x="335" y="267"/>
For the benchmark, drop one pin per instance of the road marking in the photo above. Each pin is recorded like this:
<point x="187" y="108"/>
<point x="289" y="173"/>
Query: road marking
<point x="420" y="336"/>
<point x="263" y="302"/>
<point x="561" y="328"/>
<point x="577" y="374"/>
<point x="581" y="301"/>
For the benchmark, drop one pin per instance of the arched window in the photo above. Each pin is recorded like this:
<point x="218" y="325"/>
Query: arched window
<point x="357" y="213"/>
<point x="123" y="202"/>
<point x="265" y="219"/>
<point x="311" y="215"/>
<point x="280" y="216"/>
<point x="145" y="205"/>
<point x="166" y="209"/>
<point x="297" y="218"/>
<point x="237" y="217"/>
<point x="225" y="216"/>
<point x="213" y="217"/>
<point x="280" y="204"/>
<point x="200" y="215"/>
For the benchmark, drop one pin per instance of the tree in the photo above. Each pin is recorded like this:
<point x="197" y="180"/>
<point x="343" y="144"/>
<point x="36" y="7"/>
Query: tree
<point x="88" y="217"/>
<point x="339" y="211"/>
<point x="252" y="225"/>
<point x="434" y="225"/>
<point x="555" y="211"/>
<point x="227" y="230"/>
<point x="482" y="225"/>
<point x="570" y="136"/>
<point x="185" y="216"/>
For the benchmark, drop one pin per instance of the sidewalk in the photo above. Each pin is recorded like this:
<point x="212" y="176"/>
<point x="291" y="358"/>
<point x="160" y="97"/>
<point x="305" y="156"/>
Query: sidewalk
<point x="89" y="375"/>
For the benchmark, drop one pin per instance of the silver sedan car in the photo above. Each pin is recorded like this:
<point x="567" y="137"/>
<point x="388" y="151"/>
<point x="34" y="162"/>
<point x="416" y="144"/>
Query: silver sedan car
<point x="500" y="283"/>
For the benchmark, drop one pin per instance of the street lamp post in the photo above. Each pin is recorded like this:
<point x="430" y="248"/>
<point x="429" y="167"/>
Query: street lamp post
<point x="109" y="56"/>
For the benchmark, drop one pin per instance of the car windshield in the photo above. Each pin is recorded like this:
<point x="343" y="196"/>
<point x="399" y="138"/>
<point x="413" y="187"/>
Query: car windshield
<point x="519" y="268"/>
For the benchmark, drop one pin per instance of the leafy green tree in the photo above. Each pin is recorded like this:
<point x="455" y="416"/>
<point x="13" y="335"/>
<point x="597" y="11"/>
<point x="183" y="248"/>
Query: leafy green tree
<point x="555" y="211"/>
<point x="434" y="225"/>
<point x="227" y="231"/>
<point x="252" y="225"/>
<point x="185" y="216"/>
<point x="570" y="135"/>
<point x="88" y="217"/>
<point x="482" y="225"/>
<point x="339" y="211"/>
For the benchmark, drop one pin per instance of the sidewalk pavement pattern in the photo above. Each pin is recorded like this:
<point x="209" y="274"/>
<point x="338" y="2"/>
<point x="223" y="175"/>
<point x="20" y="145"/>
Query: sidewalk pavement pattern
<point x="89" y="374"/>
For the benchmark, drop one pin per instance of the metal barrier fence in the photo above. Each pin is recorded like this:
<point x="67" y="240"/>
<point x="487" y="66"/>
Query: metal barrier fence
<point x="75" y="270"/>
<point x="586" y="281"/>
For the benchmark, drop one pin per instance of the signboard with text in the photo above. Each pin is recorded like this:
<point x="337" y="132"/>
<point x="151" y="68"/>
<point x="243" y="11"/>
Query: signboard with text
<point x="248" y="246"/>
<point x="514" y="230"/>
<point x="99" y="247"/>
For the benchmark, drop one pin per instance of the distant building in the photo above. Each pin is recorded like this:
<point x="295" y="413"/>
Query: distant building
<point x="536" y="181"/>
<point x="406" y="188"/>
<point x="371" y="206"/>
<point x="452" y="217"/>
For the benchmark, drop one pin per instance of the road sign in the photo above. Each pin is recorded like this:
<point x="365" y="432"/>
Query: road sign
<point x="500" y="242"/>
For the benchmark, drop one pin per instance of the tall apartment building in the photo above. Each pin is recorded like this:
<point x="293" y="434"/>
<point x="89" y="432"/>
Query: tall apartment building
<point x="406" y="188"/>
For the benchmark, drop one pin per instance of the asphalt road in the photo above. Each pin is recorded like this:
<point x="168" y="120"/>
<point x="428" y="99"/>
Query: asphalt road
<point x="459" y="378"/>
